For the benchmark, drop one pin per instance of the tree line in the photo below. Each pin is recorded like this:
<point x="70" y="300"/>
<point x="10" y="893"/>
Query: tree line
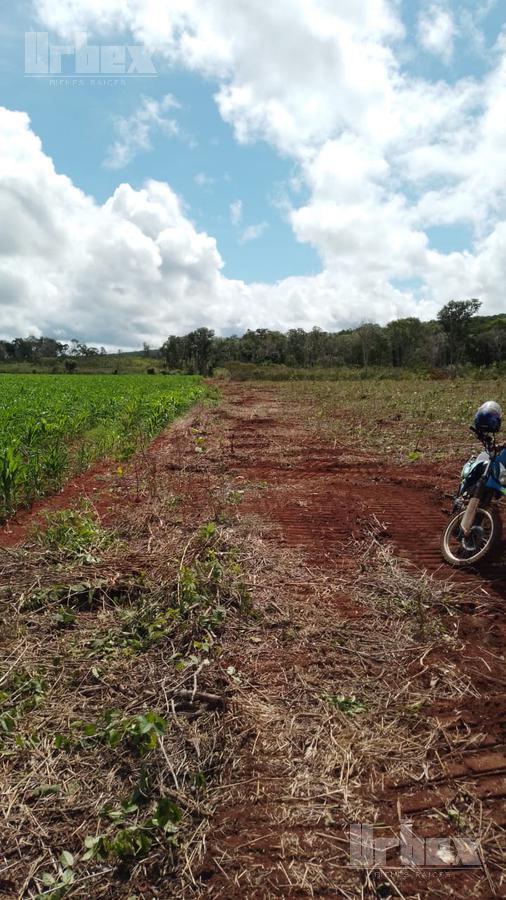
<point x="34" y="349"/>
<point x="458" y="336"/>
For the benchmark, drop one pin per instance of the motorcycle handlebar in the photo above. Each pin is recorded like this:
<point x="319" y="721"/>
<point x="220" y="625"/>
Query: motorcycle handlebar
<point x="487" y="440"/>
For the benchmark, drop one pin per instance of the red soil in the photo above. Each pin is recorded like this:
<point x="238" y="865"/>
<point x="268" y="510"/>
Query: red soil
<point x="96" y="485"/>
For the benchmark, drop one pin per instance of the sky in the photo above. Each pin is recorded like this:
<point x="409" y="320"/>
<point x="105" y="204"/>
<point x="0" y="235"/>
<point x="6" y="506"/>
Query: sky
<point x="248" y="165"/>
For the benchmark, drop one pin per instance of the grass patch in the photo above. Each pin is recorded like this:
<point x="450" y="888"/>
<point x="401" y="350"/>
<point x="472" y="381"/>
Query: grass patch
<point x="74" y="534"/>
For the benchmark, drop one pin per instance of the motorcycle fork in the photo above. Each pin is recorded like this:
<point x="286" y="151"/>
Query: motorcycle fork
<point x="470" y="515"/>
<point x="472" y="508"/>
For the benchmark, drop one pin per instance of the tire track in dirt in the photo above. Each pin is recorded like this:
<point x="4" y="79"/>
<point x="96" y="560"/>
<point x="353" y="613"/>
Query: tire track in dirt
<point x="332" y="494"/>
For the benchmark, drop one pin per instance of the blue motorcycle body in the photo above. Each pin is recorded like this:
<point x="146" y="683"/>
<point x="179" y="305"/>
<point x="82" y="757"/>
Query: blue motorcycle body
<point x="497" y="478"/>
<point x="475" y="468"/>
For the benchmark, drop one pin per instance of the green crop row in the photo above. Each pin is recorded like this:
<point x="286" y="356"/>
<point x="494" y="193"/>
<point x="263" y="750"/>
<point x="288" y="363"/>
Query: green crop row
<point x="52" y="427"/>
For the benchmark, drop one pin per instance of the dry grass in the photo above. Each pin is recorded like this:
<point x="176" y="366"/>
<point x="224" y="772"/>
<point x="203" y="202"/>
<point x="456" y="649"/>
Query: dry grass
<point x="65" y="673"/>
<point x="343" y="726"/>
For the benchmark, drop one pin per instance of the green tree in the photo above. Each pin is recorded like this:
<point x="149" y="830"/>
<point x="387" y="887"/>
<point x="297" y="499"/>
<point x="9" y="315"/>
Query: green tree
<point x="369" y="336"/>
<point x="199" y="349"/>
<point x="172" y="352"/>
<point x="404" y="336"/>
<point x="455" y="318"/>
<point x="315" y="346"/>
<point x="296" y="347"/>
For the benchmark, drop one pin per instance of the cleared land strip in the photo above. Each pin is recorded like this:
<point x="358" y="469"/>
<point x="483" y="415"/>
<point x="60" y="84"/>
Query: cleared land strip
<point x="306" y="679"/>
<point x="374" y="692"/>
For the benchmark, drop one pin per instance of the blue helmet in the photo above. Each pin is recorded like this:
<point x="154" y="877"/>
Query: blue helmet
<point x="488" y="419"/>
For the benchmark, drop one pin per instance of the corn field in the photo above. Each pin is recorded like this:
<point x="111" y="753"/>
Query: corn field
<point x="53" y="427"/>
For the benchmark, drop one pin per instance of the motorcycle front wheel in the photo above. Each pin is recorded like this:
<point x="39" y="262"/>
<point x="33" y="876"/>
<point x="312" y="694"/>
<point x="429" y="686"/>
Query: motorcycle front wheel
<point x="461" y="551"/>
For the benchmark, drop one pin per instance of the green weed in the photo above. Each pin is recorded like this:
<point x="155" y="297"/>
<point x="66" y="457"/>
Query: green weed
<point x="74" y="534"/>
<point x="58" y="885"/>
<point x="139" y="734"/>
<point x="193" y="609"/>
<point x="134" y="841"/>
<point x="350" y="706"/>
<point x="22" y="692"/>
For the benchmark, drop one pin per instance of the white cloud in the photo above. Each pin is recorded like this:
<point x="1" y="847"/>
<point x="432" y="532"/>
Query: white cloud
<point x="253" y="232"/>
<point x="236" y="212"/>
<point x="479" y="274"/>
<point x="460" y="177"/>
<point x="437" y="31"/>
<point x="134" y="132"/>
<point x="383" y="154"/>
<point x="128" y="270"/>
<point x="471" y="23"/>
<point x="135" y="268"/>
<point x="278" y="64"/>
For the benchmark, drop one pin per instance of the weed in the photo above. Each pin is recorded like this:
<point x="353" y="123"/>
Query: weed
<point x="65" y="618"/>
<point x="134" y="841"/>
<point x="21" y="693"/>
<point x="47" y="790"/>
<point x="57" y="886"/>
<point x="85" y="594"/>
<point x="200" y="444"/>
<point x="140" y="733"/>
<point x="235" y="497"/>
<point x="173" y="501"/>
<point x="75" y="534"/>
<point x="193" y="609"/>
<point x="348" y="705"/>
<point x="400" y="417"/>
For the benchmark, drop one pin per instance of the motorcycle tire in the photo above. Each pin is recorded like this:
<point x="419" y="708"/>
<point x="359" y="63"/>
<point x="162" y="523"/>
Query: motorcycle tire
<point x="458" y="551"/>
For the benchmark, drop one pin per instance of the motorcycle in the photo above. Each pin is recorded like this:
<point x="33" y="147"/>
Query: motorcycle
<point x="475" y="528"/>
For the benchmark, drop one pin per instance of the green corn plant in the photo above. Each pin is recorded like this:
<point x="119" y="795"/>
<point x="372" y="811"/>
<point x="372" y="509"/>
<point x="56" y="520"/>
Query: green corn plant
<point x="10" y="472"/>
<point x="52" y="426"/>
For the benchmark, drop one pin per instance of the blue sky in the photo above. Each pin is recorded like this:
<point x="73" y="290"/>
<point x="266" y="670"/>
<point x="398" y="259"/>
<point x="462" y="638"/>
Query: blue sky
<point x="488" y="18"/>
<point x="242" y="133"/>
